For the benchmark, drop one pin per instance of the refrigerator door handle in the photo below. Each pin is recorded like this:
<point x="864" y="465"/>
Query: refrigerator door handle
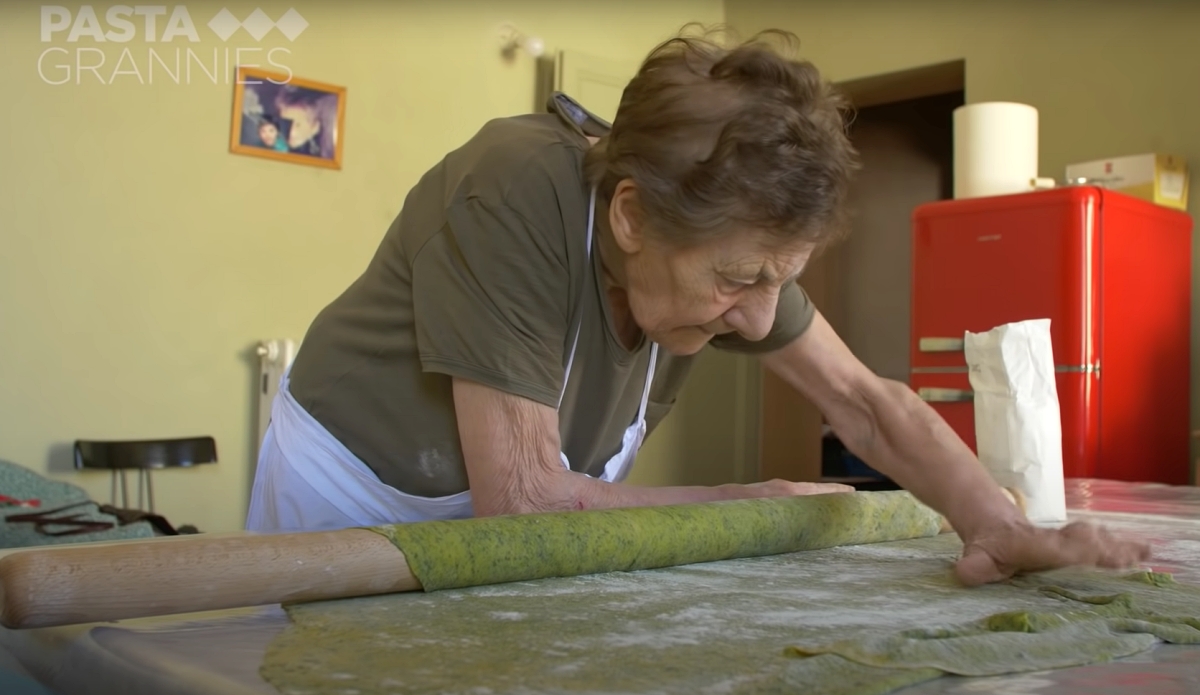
<point x="931" y="394"/>
<point x="940" y="344"/>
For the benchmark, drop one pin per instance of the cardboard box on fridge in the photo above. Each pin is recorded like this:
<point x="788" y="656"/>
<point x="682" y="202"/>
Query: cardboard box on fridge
<point x="1159" y="178"/>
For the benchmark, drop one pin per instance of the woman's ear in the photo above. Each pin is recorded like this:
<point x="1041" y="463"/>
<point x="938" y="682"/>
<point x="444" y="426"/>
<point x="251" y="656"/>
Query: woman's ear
<point x="625" y="217"/>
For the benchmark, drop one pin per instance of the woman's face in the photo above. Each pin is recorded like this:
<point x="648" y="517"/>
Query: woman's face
<point x="683" y="296"/>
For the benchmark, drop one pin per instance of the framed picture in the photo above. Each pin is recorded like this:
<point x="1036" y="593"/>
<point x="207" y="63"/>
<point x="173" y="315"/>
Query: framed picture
<point x="283" y="117"/>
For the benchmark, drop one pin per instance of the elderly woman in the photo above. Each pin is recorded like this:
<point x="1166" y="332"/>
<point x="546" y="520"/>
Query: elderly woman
<point x="534" y="310"/>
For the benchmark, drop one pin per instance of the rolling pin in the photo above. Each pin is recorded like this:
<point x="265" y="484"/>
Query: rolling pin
<point x="87" y="583"/>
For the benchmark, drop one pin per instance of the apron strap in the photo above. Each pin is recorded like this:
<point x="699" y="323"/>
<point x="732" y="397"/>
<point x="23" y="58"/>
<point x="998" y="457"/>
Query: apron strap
<point x="579" y="327"/>
<point x="649" y="380"/>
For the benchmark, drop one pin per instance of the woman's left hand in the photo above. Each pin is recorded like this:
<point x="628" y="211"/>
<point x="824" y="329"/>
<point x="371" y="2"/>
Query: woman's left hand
<point x="999" y="552"/>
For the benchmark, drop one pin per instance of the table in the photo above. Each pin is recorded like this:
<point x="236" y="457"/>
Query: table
<point x="1170" y="517"/>
<point x="219" y="653"/>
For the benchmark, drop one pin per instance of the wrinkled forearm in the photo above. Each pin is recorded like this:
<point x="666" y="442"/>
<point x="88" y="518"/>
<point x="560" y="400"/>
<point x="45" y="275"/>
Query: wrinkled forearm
<point x="564" y="490"/>
<point x="528" y="493"/>
<point x="904" y="438"/>
<point x="887" y="425"/>
<point x="597" y="494"/>
<point x="553" y="489"/>
<point x="511" y="452"/>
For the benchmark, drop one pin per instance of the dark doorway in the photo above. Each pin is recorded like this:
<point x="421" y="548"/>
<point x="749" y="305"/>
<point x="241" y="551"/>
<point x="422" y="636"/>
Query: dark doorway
<point x="862" y="285"/>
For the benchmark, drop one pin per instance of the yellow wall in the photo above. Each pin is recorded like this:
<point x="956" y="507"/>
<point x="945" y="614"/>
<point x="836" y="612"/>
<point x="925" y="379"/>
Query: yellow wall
<point x="140" y="262"/>
<point x="1108" y="78"/>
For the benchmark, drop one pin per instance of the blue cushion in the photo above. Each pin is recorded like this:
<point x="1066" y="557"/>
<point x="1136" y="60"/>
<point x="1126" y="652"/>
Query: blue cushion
<point x="23" y="484"/>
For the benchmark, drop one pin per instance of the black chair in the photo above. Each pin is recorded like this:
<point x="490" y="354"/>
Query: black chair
<point x="144" y="456"/>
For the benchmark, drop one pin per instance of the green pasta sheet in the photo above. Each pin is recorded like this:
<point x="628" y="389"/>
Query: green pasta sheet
<point x="478" y="552"/>
<point x="733" y="627"/>
<point x="832" y="675"/>
<point x="1147" y="609"/>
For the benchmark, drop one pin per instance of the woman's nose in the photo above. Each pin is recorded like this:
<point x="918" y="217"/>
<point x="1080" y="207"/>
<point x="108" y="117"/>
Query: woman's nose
<point x="752" y="319"/>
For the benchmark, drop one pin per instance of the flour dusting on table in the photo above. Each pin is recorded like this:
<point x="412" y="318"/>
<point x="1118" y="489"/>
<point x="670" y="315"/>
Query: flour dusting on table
<point x="716" y="628"/>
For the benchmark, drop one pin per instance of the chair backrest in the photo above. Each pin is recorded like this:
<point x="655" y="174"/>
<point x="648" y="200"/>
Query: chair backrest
<point x="149" y="453"/>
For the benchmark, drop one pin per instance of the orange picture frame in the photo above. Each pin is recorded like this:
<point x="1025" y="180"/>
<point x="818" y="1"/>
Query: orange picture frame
<point x="287" y="118"/>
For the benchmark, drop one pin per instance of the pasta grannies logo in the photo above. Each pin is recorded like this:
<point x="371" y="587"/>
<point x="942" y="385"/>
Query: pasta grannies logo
<point x="162" y="44"/>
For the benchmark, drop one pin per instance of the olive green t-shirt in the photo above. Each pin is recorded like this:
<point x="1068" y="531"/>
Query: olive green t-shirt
<point x="484" y="276"/>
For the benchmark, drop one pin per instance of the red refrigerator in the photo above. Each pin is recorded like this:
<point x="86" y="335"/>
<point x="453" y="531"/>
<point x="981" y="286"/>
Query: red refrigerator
<point x="1113" y="275"/>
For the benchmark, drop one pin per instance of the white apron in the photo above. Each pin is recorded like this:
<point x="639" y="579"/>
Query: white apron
<point x="307" y="480"/>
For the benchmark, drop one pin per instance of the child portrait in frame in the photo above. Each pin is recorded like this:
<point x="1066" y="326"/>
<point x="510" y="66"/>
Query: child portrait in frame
<point x="287" y="118"/>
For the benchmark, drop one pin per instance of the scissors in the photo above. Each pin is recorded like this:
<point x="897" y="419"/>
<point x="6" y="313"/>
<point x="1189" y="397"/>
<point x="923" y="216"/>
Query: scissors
<point x="74" y="523"/>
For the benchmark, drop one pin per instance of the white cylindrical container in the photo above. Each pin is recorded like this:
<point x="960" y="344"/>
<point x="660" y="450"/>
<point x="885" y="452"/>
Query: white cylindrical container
<point x="995" y="149"/>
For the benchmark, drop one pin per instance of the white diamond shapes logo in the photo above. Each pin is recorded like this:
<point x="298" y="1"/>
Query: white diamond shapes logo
<point x="291" y="24"/>
<point x="258" y="24"/>
<point x="224" y="24"/>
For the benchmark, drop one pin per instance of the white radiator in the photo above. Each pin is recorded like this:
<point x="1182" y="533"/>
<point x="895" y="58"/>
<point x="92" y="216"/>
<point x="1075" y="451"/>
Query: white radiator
<point x="274" y="357"/>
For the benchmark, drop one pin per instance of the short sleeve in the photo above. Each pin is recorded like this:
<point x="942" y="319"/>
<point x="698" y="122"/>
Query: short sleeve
<point x="490" y="299"/>
<point x="793" y="315"/>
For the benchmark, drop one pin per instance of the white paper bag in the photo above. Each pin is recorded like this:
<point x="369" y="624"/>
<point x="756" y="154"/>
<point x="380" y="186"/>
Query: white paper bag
<point x="1018" y="429"/>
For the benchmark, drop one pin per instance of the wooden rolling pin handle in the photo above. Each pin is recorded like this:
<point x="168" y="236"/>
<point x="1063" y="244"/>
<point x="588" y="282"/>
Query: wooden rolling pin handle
<point x="93" y="583"/>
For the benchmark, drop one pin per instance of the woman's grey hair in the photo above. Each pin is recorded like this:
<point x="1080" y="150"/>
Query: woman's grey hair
<point x="718" y="138"/>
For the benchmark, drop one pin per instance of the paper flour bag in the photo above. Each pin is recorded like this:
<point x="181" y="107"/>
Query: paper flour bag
<point x="1018" y="429"/>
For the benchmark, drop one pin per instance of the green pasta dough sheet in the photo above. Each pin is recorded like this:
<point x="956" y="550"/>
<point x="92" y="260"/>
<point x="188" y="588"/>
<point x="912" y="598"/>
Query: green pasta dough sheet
<point x="1087" y="628"/>
<point x="477" y="552"/>
<point x="833" y="675"/>
<point x="633" y="613"/>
